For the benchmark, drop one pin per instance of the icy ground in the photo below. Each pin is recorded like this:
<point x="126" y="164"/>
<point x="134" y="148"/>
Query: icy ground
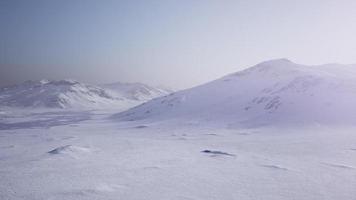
<point x="85" y="155"/>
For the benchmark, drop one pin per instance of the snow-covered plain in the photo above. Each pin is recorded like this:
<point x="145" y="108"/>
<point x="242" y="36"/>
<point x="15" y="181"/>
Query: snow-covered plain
<point x="100" y="159"/>
<point x="179" y="151"/>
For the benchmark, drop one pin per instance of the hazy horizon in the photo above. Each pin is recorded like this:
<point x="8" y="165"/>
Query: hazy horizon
<point x="176" y="44"/>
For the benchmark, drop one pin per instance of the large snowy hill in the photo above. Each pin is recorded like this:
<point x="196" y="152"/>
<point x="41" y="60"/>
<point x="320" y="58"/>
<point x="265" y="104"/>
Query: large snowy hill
<point x="272" y="92"/>
<point x="67" y="94"/>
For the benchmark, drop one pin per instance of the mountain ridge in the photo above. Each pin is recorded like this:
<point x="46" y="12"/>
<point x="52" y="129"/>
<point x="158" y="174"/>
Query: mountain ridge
<point x="136" y="91"/>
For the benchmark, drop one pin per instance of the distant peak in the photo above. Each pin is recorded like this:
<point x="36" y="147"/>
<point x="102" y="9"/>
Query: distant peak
<point x="275" y="65"/>
<point x="279" y="61"/>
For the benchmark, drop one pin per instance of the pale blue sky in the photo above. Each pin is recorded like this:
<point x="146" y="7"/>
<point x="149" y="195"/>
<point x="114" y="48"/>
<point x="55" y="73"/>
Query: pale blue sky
<point x="173" y="43"/>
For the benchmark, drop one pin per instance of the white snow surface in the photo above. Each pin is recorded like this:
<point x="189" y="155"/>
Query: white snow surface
<point x="273" y="92"/>
<point x="95" y="158"/>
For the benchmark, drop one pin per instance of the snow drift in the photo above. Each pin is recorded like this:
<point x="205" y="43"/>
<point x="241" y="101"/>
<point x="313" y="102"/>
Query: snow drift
<point x="272" y="92"/>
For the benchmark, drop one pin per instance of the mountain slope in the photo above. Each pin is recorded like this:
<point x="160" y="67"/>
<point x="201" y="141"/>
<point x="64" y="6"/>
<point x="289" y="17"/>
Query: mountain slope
<point x="272" y="92"/>
<point x="135" y="91"/>
<point x="55" y="94"/>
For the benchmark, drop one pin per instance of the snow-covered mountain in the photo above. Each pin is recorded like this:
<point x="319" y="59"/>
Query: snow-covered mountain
<point x="74" y="94"/>
<point x="55" y="94"/>
<point x="272" y="92"/>
<point x="136" y="91"/>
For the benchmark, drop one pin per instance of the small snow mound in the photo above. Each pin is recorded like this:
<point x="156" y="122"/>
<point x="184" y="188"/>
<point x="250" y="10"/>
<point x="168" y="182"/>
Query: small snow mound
<point x="69" y="149"/>
<point x="141" y="126"/>
<point x="341" y="166"/>
<point x="217" y="153"/>
<point x="276" y="167"/>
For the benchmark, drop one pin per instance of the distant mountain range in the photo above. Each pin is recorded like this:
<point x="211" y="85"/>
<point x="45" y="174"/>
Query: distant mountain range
<point x="272" y="92"/>
<point x="269" y="93"/>
<point x="73" y="94"/>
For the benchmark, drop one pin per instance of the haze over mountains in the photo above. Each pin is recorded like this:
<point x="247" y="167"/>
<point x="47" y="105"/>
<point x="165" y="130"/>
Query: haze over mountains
<point x="272" y="92"/>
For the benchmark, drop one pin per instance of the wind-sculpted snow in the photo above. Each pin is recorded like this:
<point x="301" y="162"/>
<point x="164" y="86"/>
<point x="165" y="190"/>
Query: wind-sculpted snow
<point x="217" y="153"/>
<point x="272" y="92"/>
<point x="69" y="149"/>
